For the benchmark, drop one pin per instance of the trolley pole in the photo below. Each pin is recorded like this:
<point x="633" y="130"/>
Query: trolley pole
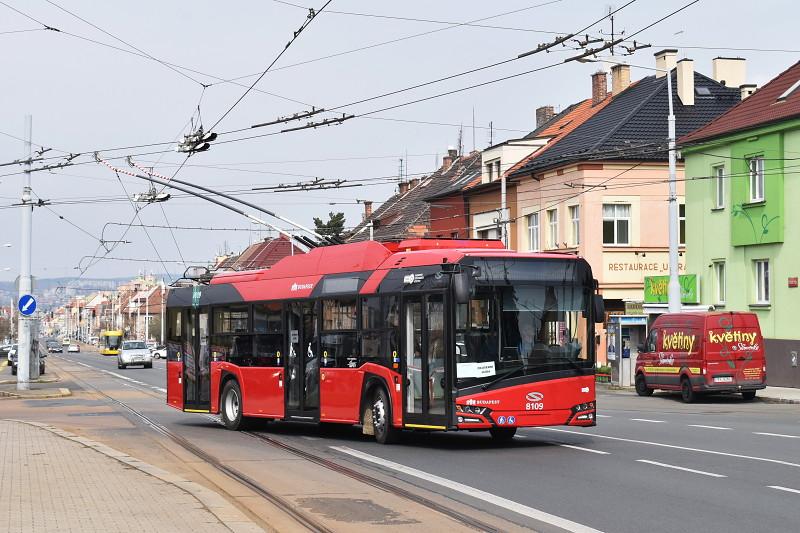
<point x="674" y="288"/>
<point x="25" y="285"/>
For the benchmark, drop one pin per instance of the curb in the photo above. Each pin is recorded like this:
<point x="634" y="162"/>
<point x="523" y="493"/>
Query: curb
<point x="53" y="379"/>
<point x="228" y="515"/>
<point x="54" y="393"/>
<point x="759" y="397"/>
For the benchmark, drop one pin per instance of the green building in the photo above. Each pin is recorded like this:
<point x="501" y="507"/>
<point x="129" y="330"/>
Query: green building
<point x="742" y="223"/>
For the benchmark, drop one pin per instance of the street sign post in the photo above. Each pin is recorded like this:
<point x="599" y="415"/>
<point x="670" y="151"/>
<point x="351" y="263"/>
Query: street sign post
<point x="26" y="305"/>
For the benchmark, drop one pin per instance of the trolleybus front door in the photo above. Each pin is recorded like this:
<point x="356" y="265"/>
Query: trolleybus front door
<point x="302" y="363"/>
<point x="197" y="363"/>
<point x="426" y="395"/>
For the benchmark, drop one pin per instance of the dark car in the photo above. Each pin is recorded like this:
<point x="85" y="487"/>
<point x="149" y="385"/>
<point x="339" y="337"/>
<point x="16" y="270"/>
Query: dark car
<point x="54" y="347"/>
<point x="14" y="358"/>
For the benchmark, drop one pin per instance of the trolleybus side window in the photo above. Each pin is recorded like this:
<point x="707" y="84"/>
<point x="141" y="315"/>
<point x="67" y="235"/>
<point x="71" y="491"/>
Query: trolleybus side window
<point x="231" y="340"/>
<point x="380" y="320"/>
<point x="477" y="340"/>
<point x="339" y="339"/>
<point x="174" y="332"/>
<point x="268" y="329"/>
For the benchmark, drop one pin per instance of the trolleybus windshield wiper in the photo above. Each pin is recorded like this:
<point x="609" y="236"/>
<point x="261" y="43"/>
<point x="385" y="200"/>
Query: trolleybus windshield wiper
<point x="501" y="377"/>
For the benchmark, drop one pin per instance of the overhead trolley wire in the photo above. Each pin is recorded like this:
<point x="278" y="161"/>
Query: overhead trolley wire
<point x="312" y="14"/>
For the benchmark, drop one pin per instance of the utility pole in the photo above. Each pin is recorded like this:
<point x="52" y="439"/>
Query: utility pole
<point x="164" y="303"/>
<point x="674" y="288"/>
<point x="26" y="359"/>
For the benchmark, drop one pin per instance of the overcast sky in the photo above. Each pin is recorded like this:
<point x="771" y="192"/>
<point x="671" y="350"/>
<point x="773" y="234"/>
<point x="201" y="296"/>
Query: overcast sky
<point x="85" y="96"/>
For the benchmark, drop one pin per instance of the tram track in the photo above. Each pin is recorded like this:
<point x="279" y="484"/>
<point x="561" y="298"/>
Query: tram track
<point x="287" y="507"/>
<point x="302" y="518"/>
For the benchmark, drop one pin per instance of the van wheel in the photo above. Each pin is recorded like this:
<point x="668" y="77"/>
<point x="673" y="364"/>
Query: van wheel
<point x="641" y="386"/>
<point x="748" y="395"/>
<point x="503" y="434"/>
<point x="230" y="406"/>
<point x="385" y="433"/>
<point x="687" y="393"/>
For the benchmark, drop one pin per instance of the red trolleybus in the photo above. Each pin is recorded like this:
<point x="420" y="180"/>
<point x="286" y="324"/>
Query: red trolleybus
<point x="421" y="334"/>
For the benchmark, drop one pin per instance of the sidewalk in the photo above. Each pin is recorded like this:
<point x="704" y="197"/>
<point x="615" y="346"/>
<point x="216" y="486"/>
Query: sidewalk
<point x="56" y="481"/>
<point x="770" y="394"/>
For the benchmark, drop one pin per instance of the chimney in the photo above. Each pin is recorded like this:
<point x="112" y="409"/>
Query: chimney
<point x="686" y="81"/>
<point x="620" y="78"/>
<point x="403" y="187"/>
<point x="747" y="89"/>
<point x="729" y="71"/>
<point x="367" y="209"/>
<point x="413" y="183"/>
<point x="543" y="114"/>
<point x="447" y="160"/>
<point x="599" y="87"/>
<point x="665" y="60"/>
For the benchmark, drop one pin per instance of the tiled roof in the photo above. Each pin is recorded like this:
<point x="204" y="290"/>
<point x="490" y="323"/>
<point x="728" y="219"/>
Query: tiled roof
<point x="559" y="127"/>
<point x="262" y="254"/>
<point x="762" y="107"/>
<point x="633" y="124"/>
<point x="398" y="216"/>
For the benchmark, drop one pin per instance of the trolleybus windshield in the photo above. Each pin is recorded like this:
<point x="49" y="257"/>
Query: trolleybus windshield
<point x="527" y="319"/>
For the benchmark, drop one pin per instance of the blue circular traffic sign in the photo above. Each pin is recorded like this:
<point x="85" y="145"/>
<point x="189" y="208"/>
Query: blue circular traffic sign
<point x="27" y="305"/>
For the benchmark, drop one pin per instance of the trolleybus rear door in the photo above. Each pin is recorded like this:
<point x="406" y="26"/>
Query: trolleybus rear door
<point x="197" y="363"/>
<point x="302" y="363"/>
<point x="426" y="396"/>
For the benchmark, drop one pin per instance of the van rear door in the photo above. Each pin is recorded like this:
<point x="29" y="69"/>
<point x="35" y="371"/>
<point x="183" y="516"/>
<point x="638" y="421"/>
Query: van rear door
<point x="734" y="349"/>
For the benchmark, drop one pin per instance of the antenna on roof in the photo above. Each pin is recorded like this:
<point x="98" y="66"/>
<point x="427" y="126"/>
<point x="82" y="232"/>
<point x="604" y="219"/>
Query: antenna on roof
<point x="461" y="139"/>
<point x="473" y="128"/>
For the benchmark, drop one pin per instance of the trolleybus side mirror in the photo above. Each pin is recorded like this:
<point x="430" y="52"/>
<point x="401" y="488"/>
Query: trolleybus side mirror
<point x="461" y="287"/>
<point x="599" y="309"/>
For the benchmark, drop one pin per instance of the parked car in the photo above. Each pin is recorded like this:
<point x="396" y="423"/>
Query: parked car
<point x="4" y="349"/>
<point x="12" y="351"/>
<point x="134" y="353"/>
<point x="14" y="359"/>
<point x="74" y="348"/>
<point x="159" y="352"/>
<point x="698" y="353"/>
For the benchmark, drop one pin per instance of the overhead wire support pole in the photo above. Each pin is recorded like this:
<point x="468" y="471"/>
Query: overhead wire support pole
<point x="674" y="287"/>
<point x="24" y="324"/>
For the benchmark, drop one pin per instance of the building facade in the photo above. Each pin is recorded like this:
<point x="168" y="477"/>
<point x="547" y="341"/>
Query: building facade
<point x="745" y="233"/>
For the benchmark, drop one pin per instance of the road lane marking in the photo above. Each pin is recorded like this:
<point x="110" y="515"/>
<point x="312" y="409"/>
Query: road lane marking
<point x="672" y="446"/>
<point x="707" y="427"/>
<point x="648" y="420"/>
<point x="785" y="489"/>
<point x="665" y="465"/>
<point x="776" y="435"/>
<point x="584" y="449"/>
<point x="499" y="501"/>
<point x="603" y="416"/>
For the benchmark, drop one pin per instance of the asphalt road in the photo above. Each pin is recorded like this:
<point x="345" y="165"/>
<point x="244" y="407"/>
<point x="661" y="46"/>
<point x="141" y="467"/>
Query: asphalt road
<point x="652" y="464"/>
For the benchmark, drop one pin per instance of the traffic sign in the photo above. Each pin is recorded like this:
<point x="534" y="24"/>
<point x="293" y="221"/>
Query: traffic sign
<point x="27" y="305"/>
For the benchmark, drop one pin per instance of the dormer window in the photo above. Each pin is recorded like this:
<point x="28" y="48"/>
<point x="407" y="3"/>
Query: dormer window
<point x="789" y="91"/>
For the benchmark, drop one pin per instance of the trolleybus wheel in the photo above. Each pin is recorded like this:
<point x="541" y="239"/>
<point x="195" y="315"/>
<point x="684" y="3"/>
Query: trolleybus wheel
<point x="503" y="434"/>
<point x="641" y="386"/>
<point x="385" y="433"/>
<point x="231" y="406"/>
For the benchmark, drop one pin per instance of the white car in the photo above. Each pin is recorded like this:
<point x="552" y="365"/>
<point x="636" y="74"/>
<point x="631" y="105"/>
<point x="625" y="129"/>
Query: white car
<point x="134" y="353"/>
<point x="159" y="352"/>
<point x="74" y="348"/>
